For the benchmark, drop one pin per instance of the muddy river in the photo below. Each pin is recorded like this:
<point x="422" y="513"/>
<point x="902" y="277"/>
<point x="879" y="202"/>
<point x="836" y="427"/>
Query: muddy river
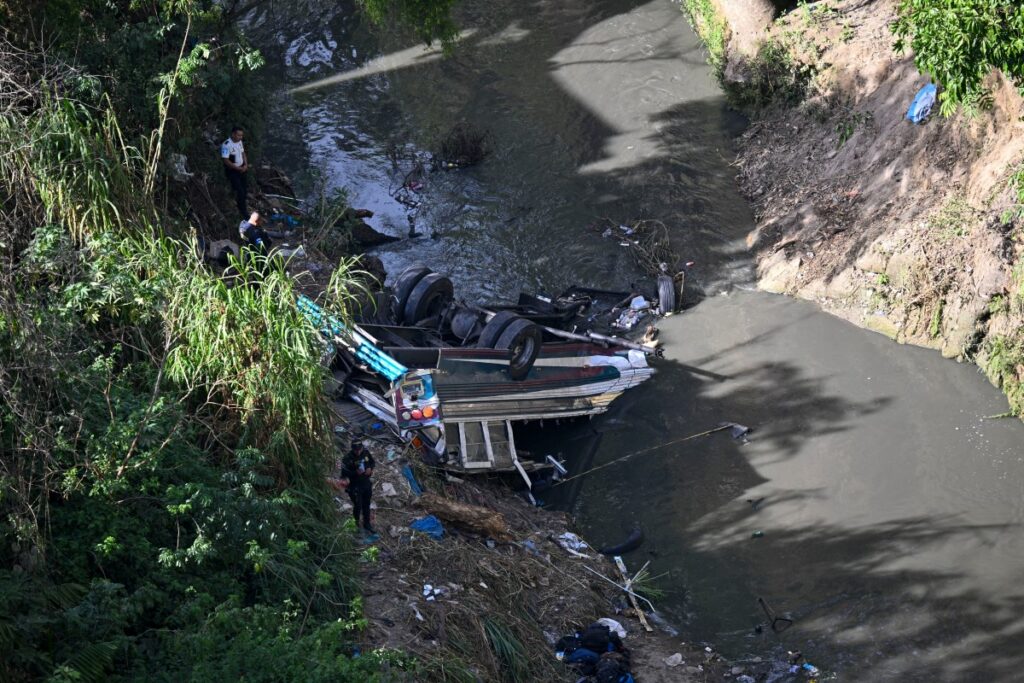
<point x="889" y="521"/>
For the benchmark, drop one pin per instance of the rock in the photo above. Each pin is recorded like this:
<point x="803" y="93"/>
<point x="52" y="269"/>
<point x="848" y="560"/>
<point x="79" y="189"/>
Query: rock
<point x="374" y="267"/>
<point x="365" y="236"/>
<point x="674" y="660"/>
<point x="271" y="180"/>
<point x="882" y="325"/>
<point x="737" y="670"/>
<point x="778" y="273"/>
<point x="873" y="259"/>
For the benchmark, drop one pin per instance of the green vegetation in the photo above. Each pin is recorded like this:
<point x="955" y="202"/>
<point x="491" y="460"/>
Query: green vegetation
<point x="849" y="122"/>
<point x="1002" y="359"/>
<point x="935" y="324"/>
<point x="958" y="42"/>
<point x="430" y="19"/>
<point x="163" y="435"/>
<point x="954" y="219"/>
<point x="1016" y="185"/>
<point x="773" y="76"/>
<point x="510" y="653"/>
<point x="711" y="28"/>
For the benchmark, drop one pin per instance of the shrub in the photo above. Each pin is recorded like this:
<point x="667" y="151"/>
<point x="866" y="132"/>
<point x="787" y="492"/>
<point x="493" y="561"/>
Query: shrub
<point x="958" y="42"/>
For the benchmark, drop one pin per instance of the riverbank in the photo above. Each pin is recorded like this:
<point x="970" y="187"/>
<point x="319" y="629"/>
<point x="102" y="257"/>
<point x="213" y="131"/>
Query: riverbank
<point x="911" y="231"/>
<point x="520" y="587"/>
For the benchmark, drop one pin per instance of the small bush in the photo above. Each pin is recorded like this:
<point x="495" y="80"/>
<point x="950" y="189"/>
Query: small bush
<point x="773" y="76"/>
<point x="958" y="42"/>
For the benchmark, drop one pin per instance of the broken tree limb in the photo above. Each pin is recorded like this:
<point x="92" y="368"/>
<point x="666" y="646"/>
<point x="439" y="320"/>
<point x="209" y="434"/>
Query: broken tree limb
<point x="629" y="592"/>
<point x="479" y="520"/>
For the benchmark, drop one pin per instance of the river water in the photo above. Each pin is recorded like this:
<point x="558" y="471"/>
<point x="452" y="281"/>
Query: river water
<point x="892" y="508"/>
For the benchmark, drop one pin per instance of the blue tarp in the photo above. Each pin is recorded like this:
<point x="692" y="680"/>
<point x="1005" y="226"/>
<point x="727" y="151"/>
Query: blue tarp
<point x="922" y="105"/>
<point x="430" y="525"/>
<point x="413" y="484"/>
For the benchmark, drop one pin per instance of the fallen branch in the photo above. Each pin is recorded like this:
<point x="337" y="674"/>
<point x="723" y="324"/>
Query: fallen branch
<point x="473" y="518"/>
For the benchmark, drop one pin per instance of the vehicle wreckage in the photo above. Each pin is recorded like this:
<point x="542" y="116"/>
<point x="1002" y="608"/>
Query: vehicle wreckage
<point x="454" y="378"/>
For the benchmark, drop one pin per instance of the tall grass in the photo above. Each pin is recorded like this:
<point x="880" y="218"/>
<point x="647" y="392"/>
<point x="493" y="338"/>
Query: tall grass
<point x="238" y="348"/>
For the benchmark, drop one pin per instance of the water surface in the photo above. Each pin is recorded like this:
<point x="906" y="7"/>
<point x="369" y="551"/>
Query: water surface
<point x="892" y="508"/>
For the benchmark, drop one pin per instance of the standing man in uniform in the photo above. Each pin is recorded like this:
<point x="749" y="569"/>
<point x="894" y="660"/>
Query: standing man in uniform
<point x="357" y="468"/>
<point x="236" y="164"/>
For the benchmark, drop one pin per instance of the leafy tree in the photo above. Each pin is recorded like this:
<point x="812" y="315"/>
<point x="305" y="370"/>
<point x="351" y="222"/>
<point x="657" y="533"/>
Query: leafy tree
<point x="958" y="42"/>
<point x="430" y="19"/>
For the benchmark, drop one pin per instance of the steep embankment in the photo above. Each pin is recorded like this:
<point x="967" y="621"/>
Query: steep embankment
<point x="912" y="231"/>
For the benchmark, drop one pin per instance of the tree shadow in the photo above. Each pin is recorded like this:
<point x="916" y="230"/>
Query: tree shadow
<point x="558" y="93"/>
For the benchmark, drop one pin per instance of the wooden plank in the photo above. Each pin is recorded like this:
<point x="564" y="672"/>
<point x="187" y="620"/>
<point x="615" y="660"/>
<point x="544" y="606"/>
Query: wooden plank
<point x="629" y="587"/>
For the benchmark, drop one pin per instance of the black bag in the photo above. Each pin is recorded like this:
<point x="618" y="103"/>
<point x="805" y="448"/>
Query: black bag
<point x="598" y="638"/>
<point x="610" y="670"/>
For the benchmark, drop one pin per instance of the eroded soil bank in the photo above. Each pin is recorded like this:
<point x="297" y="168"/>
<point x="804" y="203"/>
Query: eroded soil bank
<point x="910" y="230"/>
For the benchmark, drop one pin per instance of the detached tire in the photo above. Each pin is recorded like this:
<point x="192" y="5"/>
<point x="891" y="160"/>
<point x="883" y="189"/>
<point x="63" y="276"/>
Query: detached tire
<point x="404" y="284"/>
<point x="523" y="338"/>
<point x="667" y="294"/>
<point x="493" y="329"/>
<point x="428" y="298"/>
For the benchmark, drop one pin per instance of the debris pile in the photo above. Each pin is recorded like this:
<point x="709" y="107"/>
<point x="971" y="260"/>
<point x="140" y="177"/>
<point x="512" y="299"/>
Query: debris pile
<point x="488" y="599"/>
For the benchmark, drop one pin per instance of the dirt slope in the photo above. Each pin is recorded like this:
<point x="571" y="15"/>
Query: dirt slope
<point x="913" y="231"/>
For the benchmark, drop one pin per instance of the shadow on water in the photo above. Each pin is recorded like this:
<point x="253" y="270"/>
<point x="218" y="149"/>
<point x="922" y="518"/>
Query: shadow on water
<point x="597" y="110"/>
<point x="605" y="109"/>
<point x="863" y="606"/>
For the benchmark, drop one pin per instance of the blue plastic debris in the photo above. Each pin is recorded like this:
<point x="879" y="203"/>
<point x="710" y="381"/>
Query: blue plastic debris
<point x="922" y="105"/>
<point x="411" y="478"/>
<point x="430" y="525"/>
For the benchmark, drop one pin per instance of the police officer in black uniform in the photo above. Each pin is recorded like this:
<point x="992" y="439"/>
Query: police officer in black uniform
<point x="357" y="468"/>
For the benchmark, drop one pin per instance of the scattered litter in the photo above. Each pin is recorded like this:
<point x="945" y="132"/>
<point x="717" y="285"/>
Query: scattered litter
<point x="387" y="489"/>
<point x="628" y="319"/>
<point x="639" y="303"/>
<point x="755" y="503"/>
<point x="429" y="525"/>
<point x="431" y="593"/>
<point x="339" y="429"/>
<point x="777" y="623"/>
<point x="417" y="612"/>
<point x="411" y="478"/>
<point x="674" y="660"/>
<point x="757" y="534"/>
<point x="737" y="431"/>
<point x="572" y="543"/>
<point x="179" y="162"/>
<point x="921" y="107"/>
<point x="744" y="678"/>
<point x="557" y="465"/>
<point x="391" y="455"/>
<point x="613" y="626"/>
